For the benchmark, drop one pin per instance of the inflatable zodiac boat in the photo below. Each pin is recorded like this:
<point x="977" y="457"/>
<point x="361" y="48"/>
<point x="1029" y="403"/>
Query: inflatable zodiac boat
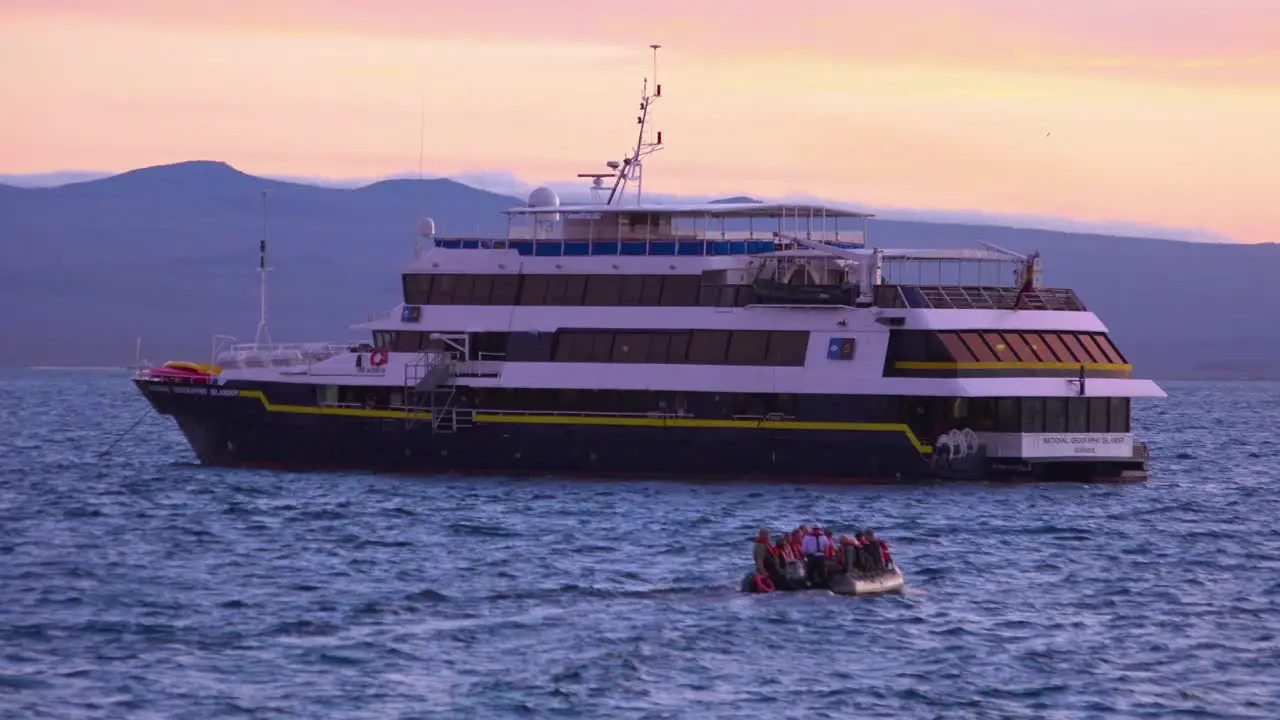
<point x="854" y="578"/>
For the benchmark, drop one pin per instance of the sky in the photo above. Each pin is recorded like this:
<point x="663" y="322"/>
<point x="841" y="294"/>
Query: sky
<point x="1161" y="113"/>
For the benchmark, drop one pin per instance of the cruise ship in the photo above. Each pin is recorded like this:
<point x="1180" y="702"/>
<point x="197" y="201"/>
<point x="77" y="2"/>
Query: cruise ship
<point x="721" y="340"/>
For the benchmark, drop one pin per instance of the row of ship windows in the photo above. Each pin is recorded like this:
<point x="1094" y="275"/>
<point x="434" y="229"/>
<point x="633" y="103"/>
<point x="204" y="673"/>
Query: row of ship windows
<point x="589" y="290"/>
<point x="780" y="348"/>
<point x="1045" y="415"/>
<point x="1004" y="346"/>
<point x="929" y="417"/>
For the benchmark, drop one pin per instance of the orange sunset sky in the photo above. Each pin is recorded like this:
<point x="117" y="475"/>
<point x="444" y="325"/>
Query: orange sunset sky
<point x="1161" y="112"/>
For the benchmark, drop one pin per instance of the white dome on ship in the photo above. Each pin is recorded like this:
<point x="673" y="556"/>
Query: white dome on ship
<point x="544" y="197"/>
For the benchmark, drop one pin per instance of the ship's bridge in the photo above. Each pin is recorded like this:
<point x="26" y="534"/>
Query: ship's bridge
<point x="708" y="229"/>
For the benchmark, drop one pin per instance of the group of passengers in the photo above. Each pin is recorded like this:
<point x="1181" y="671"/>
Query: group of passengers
<point x="811" y="555"/>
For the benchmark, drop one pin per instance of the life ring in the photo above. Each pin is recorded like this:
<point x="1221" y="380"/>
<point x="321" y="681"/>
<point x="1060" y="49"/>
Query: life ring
<point x="378" y="357"/>
<point x="763" y="583"/>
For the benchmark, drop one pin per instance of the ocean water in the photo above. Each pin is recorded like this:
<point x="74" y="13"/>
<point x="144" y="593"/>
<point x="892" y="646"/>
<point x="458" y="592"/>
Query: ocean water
<point x="142" y="585"/>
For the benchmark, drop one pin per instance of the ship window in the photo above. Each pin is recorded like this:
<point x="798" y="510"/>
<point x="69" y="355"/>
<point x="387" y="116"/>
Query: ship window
<point x="601" y="346"/>
<point x="534" y="291"/>
<point x="417" y="289"/>
<point x="1032" y="415"/>
<point x="1055" y="415"/>
<point x="955" y="347"/>
<point x="442" y="290"/>
<point x="481" y="289"/>
<point x="678" y="350"/>
<point x="680" y="290"/>
<point x="1054" y="342"/>
<point x="1098" y="413"/>
<point x="651" y="294"/>
<point x="463" y="285"/>
<point x="1007" y="419"/>
<point x="908" y="346"/>
<point x="1039" y="350"/>
<point x="1077" y="414"/>
<point x="1119" y="411"/>
<point x="657" y="348"/>
<point x="506" y="290"/>
<point x="708" y="347"/>
<point x="1106" y="350"/>
<point x="728" y="296"/>
<point x="1002" y="350"/>
<point x="708" y="295"/>
<point x="978" y="347"/>
<point x="787" y="348"/>
<point x="407" y="341"/>
<point x="1019" y="347"/>
<point x="572" y="347"/>
<point x="603" y="290"/>
<point x="1073" y="346"/>
<point x="575" y="288"/>
<point x="630" y="347"/>
<point x="556" y="289"/>
<point x="748" y="347"/>
<point x="632" y="290"/>
<point x="530" y="347"/>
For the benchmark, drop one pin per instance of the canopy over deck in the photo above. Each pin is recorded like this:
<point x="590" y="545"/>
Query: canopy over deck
<point x="701" y="210"/>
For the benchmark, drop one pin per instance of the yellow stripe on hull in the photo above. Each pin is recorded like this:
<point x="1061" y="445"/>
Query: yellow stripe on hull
<point x="483" y="417"/>
<point x="1105" y="367"/>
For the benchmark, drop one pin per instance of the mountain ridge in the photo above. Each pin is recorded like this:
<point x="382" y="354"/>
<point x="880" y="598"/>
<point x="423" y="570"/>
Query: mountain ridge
<point x="169" y="253"/>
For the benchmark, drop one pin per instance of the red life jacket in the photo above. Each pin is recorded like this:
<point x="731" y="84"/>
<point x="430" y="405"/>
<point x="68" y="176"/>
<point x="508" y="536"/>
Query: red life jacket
<point x="830" y="552"/>
<point x="773" y="551"/>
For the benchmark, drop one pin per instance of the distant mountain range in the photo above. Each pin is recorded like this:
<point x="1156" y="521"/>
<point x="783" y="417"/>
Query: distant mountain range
<point x="169" y="254"/>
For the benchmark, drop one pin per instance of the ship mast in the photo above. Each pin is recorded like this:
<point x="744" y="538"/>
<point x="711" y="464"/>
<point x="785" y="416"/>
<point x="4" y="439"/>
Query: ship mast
<point x="632" y="166"/>
<point x="262" y="280"/>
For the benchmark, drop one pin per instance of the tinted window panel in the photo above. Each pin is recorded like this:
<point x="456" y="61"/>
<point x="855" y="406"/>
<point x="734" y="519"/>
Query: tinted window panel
<point x="1021" y="351"/>
<point x="603" y="290"/>
<point x="556" y="285"/>
<point x="1001" y="348"/>
<point x="1099" y="410"/>
<point x="632" y="289"/>
<point x="534" y="290"/>
<point x="1075" y="348"/>
<point x="506" y="290"/>
<point x="978" y="347"/>
<point x="417" y="289"/>
<point x="462" y="287"/>
<point x="748" y="347"/>
<point x="1038" y="348"/>
<point x="1077" y="414"/>
<point x="575" y="289"/>
<point x="1119" y="421"/>
<point x="956" y="349"/>
<point x="481" y="289"/>
<point x="1054" y="341"/>
<point x="708" y="347"/>
<point x="678" y="350"/>
<point x="630" y="347"/>
<point x="601" y="346"/>
<point x="659" y="345"/>
<point x="442" y="290"/>
<point x="1055" y="415"/>
<point x="651" y="294"/>
<point x="788" y="348"/>
<point x="680" y="290"/>
<point x="1033" y="415"/>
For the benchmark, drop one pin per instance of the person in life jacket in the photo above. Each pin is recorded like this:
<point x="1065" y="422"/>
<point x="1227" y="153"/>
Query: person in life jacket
<point x="886" y="559"/>
<point x="871" y="552"/>
<point x="765" y="556"/>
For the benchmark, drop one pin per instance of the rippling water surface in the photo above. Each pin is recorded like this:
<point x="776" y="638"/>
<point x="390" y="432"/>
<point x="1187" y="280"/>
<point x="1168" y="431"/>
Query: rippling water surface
<point x="143" y="585"/>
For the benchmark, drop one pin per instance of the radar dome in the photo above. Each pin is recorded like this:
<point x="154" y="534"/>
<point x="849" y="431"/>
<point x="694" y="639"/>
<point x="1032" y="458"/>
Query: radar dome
<point x="544" y="197"/>
<point x="427" y="228"/>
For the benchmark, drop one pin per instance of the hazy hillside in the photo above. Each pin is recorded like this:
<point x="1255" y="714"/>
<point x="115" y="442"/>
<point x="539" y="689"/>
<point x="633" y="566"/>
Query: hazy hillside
<point x="169" y="254"/>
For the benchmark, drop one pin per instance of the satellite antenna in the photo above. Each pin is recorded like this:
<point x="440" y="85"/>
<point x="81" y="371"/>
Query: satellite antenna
<point x="262" y="279"/>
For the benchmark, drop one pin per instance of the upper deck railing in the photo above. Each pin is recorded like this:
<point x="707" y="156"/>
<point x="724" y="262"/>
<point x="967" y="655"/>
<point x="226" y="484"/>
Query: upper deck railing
<point x="944" y="297"/>
<point x="667" y="230"/>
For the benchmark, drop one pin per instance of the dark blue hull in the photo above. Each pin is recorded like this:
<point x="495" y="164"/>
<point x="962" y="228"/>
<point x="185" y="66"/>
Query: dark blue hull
<point x="242" y="427"/>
